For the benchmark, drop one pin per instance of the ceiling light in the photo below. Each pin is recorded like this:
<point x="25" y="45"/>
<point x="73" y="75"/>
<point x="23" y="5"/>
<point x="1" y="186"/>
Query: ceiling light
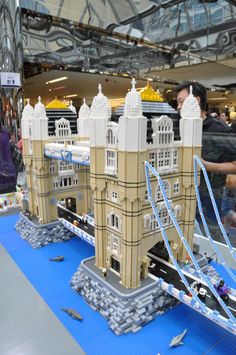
<point x="73" y="95"/>
<point x="217" y="98"/>
<point x="59" y="88"/>
<point x="56" y="80"/>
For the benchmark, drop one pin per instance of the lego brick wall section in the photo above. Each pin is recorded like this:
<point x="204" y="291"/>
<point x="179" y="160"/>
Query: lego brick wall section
<point x="93" y="335"/>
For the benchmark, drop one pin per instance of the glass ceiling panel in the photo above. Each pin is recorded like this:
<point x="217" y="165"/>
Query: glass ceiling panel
<point x="131" y="34"/>
<point x="168" y="18"/>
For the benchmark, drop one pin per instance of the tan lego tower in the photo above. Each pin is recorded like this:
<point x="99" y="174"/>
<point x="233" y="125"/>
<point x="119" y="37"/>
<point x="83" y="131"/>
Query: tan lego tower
<point x="125" y="227"/>
<point x="38" y="176"/>
<point x="191" y="135"/>
<point x="48" y="180"/>
<point x="99" y="116"/>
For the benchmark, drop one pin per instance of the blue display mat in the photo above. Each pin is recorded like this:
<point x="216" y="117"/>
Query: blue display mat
<point x="51" y="280"/>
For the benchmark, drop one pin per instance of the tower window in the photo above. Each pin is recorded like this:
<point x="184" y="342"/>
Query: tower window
<point x="176" y="187"/>
<point x="114" y="221"/>
<point x="111" y="158"/>
<point x="111" y="139"/>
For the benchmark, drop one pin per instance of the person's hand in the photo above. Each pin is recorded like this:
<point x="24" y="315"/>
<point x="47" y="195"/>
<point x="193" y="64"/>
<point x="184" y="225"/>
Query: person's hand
<point x="231" y="182"/>
<point x="205" y="163"/>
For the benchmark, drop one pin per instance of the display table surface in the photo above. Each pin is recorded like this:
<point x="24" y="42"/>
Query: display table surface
<point x="51" y="280"/>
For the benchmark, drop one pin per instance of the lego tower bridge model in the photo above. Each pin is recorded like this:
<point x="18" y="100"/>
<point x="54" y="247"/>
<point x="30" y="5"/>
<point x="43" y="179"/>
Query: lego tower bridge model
<point x="103" y="170"/>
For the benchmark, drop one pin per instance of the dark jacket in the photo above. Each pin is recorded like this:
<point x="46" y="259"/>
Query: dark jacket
<point x="7" y="168"/>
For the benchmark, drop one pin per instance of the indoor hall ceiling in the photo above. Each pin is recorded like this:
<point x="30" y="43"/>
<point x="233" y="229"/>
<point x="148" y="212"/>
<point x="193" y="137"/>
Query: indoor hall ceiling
<point x="82" y="84"/>
<point x="128" y="36"/>
<point x="86" y="85"/>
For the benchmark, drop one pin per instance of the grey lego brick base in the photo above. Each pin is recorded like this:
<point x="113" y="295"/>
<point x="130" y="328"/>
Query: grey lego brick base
<point x="11" y="210"/>
<point x="39" y="235"/>
<point x="125" y="311"/>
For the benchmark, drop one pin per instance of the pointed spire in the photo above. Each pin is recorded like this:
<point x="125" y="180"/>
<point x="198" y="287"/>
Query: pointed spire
<point x="39" y="109"/>
<point x="190" y="108"/>
<point x="84" y="111"/>
<point x="133" y="103"/>
<point x="71" y="107"/>
<point x="133" y="82"/>
<point x="100" y="107"/>
<point x="191" y="90"/>
<point x="99" y="88"/>
<point x="28" y="111"/>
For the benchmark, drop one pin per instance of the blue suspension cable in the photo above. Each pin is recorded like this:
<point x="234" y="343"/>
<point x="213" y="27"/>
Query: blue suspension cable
<point x="198" y="161"/>
<point x="180" y="233"/>
<point x="167" y="244"/>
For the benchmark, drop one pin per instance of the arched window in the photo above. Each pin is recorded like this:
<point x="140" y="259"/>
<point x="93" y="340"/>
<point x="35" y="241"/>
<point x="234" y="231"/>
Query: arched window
<point x="63" y="128"/>
<point x="114" y="221"/>
<point x="158" y="195"/>
<point x="110" y="137"/>
<point x="146" y="221"/>
<point x="177" y="211"/>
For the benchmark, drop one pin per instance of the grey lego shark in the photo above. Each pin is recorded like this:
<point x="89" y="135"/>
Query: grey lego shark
<point x="72" y="313"/>
<point x="57" y="258"/>
<point x="176" y="341"/>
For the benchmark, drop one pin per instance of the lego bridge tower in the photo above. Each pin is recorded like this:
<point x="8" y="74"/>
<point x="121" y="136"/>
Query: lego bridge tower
<point x="125" y="226"/>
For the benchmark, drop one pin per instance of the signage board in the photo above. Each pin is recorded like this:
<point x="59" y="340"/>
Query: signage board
<point x="10" y="80"/>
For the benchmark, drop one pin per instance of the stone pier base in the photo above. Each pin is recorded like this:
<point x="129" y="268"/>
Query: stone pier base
<point x="39" y="235"/>
<point x="125" y="309"/>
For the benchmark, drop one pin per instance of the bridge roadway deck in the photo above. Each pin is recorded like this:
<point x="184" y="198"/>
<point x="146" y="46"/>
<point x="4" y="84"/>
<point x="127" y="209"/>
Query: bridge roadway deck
<point x="162" y="269"/>
<point x="167" y="272"/>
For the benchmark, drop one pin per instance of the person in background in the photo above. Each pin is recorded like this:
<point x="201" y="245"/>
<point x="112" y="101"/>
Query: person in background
<point x="218" y="148"/>
<point x="210" y="125"/>
<point x="214" y="115"/>
<point x="17" y="160"/>
<point x="224" y="118"/>
<point x="7" y="168"/>
<point x="20" y="142"/>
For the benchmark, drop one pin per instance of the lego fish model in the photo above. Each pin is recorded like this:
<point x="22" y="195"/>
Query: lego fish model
<point x="72" y="313"/>
<point x="176" y="341"/>
<point x="57" y="258"/>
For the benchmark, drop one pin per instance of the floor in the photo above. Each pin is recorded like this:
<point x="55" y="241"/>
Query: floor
<point x="33" y="291"/>
<point x="27" y="325"/>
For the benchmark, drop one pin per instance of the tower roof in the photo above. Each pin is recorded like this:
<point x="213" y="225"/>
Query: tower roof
<point x="39" y="109"/>
<point x="190" y="108"/>
<point x="149" y="94"/>
<point x="56" y="104"/>
<point x="28" y="111"/>
<point x="133" y="103"/>
<point x="100" y="106"/>
<point x="84" y="111"/>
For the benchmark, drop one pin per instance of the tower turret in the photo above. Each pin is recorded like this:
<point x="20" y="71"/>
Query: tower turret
<point x="100" y="114"/>
<point x="191" y="122"/>
<point x="191" y="136"/>
<point x="132" y="123"/>
<point x="27" y="116"/>
<point x="72" y="107"/>
<point x="83" y="122"/>
<point x="39" y="122"/>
